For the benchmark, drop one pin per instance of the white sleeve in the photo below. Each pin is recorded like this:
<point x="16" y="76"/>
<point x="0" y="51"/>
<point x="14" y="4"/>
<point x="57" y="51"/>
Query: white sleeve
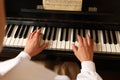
<point x="88" y="71"/>
<point x="6" y="66"/>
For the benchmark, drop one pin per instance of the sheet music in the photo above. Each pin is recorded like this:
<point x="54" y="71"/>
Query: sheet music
<point x="73" y="5"/>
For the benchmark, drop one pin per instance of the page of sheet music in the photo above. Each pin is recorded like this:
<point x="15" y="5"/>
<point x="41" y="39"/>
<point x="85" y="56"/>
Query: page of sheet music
<point x="72" y="5"/>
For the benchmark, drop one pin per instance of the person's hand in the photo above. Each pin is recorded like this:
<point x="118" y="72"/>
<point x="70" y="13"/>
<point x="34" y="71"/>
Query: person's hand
<point x="33" y="44"/>
<point x="84" y="51"/>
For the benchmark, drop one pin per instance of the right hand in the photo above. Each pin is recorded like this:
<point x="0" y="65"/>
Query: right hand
<point x="84" y="51"/>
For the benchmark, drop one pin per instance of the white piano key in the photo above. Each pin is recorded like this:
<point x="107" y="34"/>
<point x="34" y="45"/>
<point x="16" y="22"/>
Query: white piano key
<point x="95" y="45"/>
<point x="113" y="47"/>
<point x="103" y="46"/>
<point x="58" y="41"/>
<point x="63" y="43"/>
<point x="8" y="38"/>
<point x="24" y="40"/>
<point x="51" y="41"/>
<point x="118" y="41"/>
<point x="71" y="39"/>
<point x="12" y="37"/>
<point x="54" y="45"/>
<point x="20" y="43"/>
<point x="68" y="42"/>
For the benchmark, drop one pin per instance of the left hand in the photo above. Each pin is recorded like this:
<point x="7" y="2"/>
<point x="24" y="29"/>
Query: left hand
<point x="33" y="44"/>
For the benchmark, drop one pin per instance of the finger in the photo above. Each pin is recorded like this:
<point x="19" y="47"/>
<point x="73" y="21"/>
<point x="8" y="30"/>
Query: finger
<point x="29" y="35"/>
<point x="85" y="42"/>
<point x="88" y="40"/>
<point x="92" y="43"/>
<point x="33" y="33"/>
<point x="80" y="40"/>
<point x="74" y="48"/>
<point x="45" y="45"/>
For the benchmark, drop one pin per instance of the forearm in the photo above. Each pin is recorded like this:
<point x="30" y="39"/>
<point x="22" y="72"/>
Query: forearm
<point x="9" y="64"/>
<point x="88" y="71"/>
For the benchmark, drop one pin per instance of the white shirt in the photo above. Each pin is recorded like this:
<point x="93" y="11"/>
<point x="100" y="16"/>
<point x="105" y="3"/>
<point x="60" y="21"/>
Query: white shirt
<point x="88" y="71"/>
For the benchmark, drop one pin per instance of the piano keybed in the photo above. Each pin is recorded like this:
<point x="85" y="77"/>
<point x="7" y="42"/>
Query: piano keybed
<point x="61" y="38"/>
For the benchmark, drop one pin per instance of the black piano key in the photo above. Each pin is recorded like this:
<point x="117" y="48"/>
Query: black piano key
<point x="84" y="34"/>
<point x="35" y="27"/>
<point x="104" y="37"/>
<point x="91" y="34"/>
<point x="26" y="32"/>
<point x="96" y="36"/>
<point x="22" y="31"/>
<point x="79" y="32"/>
<point x="61" y="36"/>
<point x="74" y="34"/>
<point x="114" y="37"/>
<point x="7" y="28"/>
<point x="109" y="37"/>
<point x="66" y="36"/>
<point x="50" y="32"/>
<point x="10" y="31"/>
<point x="45" y="34"/>
<point x="54" y="35"/>
<point x="17" y="32"/>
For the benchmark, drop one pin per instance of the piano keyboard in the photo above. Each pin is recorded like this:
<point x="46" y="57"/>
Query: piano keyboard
<point x="105" y="41"/>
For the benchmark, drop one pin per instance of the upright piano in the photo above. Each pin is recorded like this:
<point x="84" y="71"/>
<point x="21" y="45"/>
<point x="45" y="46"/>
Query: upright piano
<point x="61" y="27"/>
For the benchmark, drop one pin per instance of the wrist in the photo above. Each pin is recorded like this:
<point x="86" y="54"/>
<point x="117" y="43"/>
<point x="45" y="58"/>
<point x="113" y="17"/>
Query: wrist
<point x="88" y="66"/>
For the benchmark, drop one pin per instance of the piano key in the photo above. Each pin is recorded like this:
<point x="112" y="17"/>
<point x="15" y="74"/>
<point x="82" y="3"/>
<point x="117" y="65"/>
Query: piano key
<point x="104" y="36"/>
<point x="10" y="31"/>
<point x="74" y="34"/>
<point x="107" y="44"/>
<point x="103" y="46"/>
<point x="96" y="36"/>
<point x="7" y="28"/>
<point x="54" y="46"/>
<point x="29" y="31"/>
<point x="67" y="32"/>
<point x="55" y="31"/>
<point x="91" y="34"/>
<point x="113" y="46"/>
<point x="118" y="41"/>
<point x="21" y="39"/>
<point x="58" y="40"/>
<point x="67" y="46"/>
<point x="17" y="32"/>
<point x="61" y="35"/>
<point x="50" y="32"/>
<point x="44" y="36"/>
<point x="12" y="37"/>
<point x="114" y="37"/>
<point x="22" y="31"/>
<point x="26" y="32"/>
<point x="51" y="38"/>
<point x="76" y="41"/>
<point x="84" y="34"/>
<point x="17" y="36"/>
<point x="109" y="37"/>
<point x="98" y="44"/>
<point x="79" y="32"/>
<point x="9" y="37"/>
<point x="95" y="46"/>
<point x="71" y="39"/>
<point x="63" y="43"/>
<point x="35" y="27"/>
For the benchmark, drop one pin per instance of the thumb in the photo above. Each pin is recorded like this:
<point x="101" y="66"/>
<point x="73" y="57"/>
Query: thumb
<point x="74" y="48"/>
<point x="45" y="45"/>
